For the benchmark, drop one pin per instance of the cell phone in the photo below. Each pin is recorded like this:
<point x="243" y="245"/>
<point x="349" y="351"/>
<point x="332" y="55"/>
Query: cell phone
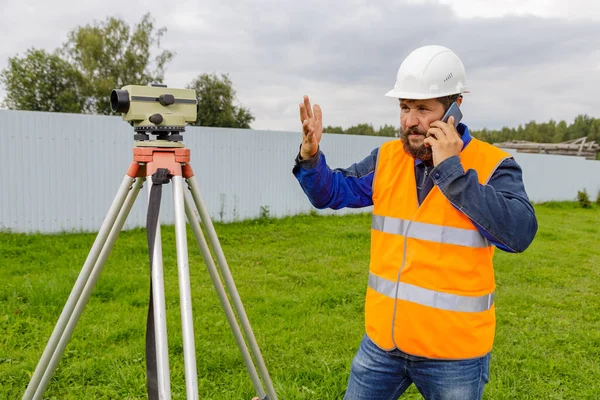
<point x="454" y="111"/>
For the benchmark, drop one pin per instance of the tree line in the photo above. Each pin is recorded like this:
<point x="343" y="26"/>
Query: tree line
<point x="546" y="132"/>
<point x="99" y="57"/>
<point x="363" y="129"/>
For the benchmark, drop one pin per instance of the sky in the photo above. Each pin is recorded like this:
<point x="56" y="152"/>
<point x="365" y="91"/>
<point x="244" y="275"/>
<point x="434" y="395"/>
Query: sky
<point x="526" y="60"/>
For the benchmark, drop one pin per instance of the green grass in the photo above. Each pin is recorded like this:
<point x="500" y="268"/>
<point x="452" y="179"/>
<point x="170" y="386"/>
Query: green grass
<point x="302" y="281"/>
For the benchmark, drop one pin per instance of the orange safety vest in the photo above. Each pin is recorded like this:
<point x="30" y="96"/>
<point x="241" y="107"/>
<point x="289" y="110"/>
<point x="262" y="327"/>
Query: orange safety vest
<point x="431" y="280"/>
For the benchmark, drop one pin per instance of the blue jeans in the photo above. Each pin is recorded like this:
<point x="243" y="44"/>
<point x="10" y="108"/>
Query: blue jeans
<point x="384" y="375"/>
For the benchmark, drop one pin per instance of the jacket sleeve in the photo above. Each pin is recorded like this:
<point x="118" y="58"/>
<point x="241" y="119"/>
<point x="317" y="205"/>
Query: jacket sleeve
<point x="501" y="209"/>
<point x="342" y="187"/>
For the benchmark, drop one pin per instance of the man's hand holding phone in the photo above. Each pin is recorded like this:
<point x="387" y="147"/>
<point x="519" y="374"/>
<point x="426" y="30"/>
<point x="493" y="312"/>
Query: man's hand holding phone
<point x="443" y="138"/>
<point x="312" y="128"/>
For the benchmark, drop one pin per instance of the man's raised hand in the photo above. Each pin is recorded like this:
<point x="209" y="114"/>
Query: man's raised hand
<point x="312" y="128"/>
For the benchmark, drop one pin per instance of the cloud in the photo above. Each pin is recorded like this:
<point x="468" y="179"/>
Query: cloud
<point x="521" y="66"/>
<point x="572" y="9"/>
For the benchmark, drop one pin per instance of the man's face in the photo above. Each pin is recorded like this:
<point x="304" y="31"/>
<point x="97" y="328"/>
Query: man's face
<point x="415" y="118"/>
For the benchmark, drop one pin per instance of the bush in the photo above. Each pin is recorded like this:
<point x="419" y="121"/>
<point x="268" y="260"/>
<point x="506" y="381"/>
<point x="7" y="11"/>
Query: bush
<point x="265" y="213"/>
<point x="265" y="216"/>
<point x="583" y="198"/>
<point x="598" y="198"/>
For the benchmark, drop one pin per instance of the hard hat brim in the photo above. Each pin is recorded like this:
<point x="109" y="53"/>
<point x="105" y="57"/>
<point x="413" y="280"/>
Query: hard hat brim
<point x="419" y="96"/>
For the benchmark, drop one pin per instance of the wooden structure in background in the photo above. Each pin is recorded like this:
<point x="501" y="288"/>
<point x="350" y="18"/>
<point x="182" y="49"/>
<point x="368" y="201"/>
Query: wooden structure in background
<point x="577" y="147"/>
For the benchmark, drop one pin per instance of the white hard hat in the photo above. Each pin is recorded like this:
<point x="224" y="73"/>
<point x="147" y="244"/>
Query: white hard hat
<point x="429" y="72"/>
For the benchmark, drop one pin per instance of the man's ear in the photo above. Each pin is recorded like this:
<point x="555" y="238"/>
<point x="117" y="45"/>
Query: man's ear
<point x="459" y="100"/>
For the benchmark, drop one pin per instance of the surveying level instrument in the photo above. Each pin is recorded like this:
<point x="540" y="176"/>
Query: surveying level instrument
<point x="156" y="110"/>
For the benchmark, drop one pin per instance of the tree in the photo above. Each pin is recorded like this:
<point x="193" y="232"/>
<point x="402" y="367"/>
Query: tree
<point x="361" y="129"/>
<point x="387" y="130"/>
<point x="215" y="103"/>
<point x="560" y="134"/>
<point x="41" y="81"/>
<point x="594" y="133"/>
<point x="110" y="55"/>
<point x="333" y="129"/>
<point x="580" y="127"/>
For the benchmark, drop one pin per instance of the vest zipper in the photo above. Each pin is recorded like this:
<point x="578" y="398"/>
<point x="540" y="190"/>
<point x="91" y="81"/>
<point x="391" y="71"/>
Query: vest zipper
<point x="427" y="169"/>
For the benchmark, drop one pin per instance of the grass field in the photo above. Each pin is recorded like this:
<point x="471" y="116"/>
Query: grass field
<point x="302" y="280"/>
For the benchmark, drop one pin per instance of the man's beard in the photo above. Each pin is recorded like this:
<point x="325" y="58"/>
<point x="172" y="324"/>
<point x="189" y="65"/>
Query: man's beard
<point x="419" y="152"/>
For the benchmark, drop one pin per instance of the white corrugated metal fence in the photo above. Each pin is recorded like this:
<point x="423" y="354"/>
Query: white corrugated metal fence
<point x="60" y="172"/>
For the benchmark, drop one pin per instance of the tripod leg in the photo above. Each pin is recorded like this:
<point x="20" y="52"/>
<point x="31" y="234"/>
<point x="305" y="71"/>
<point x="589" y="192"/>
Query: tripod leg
<point x="237" y="302"/>
<point x="101" y="249"/>
<point x="189" y="350"/>
<point x="160" y="319"/>
<point x="78" y="287"/>
<point x="214" y="275"/>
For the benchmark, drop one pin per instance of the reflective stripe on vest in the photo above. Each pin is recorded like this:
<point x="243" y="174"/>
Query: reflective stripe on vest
<point x="433" y="233"/>
<point x="430" y="298"/>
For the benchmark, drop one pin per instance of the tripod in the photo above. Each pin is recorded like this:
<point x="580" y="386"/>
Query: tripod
<point x="149" y="159"/>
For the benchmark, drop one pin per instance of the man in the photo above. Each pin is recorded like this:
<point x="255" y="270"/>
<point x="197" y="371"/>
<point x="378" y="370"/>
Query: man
<point x="442" y="200"/>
